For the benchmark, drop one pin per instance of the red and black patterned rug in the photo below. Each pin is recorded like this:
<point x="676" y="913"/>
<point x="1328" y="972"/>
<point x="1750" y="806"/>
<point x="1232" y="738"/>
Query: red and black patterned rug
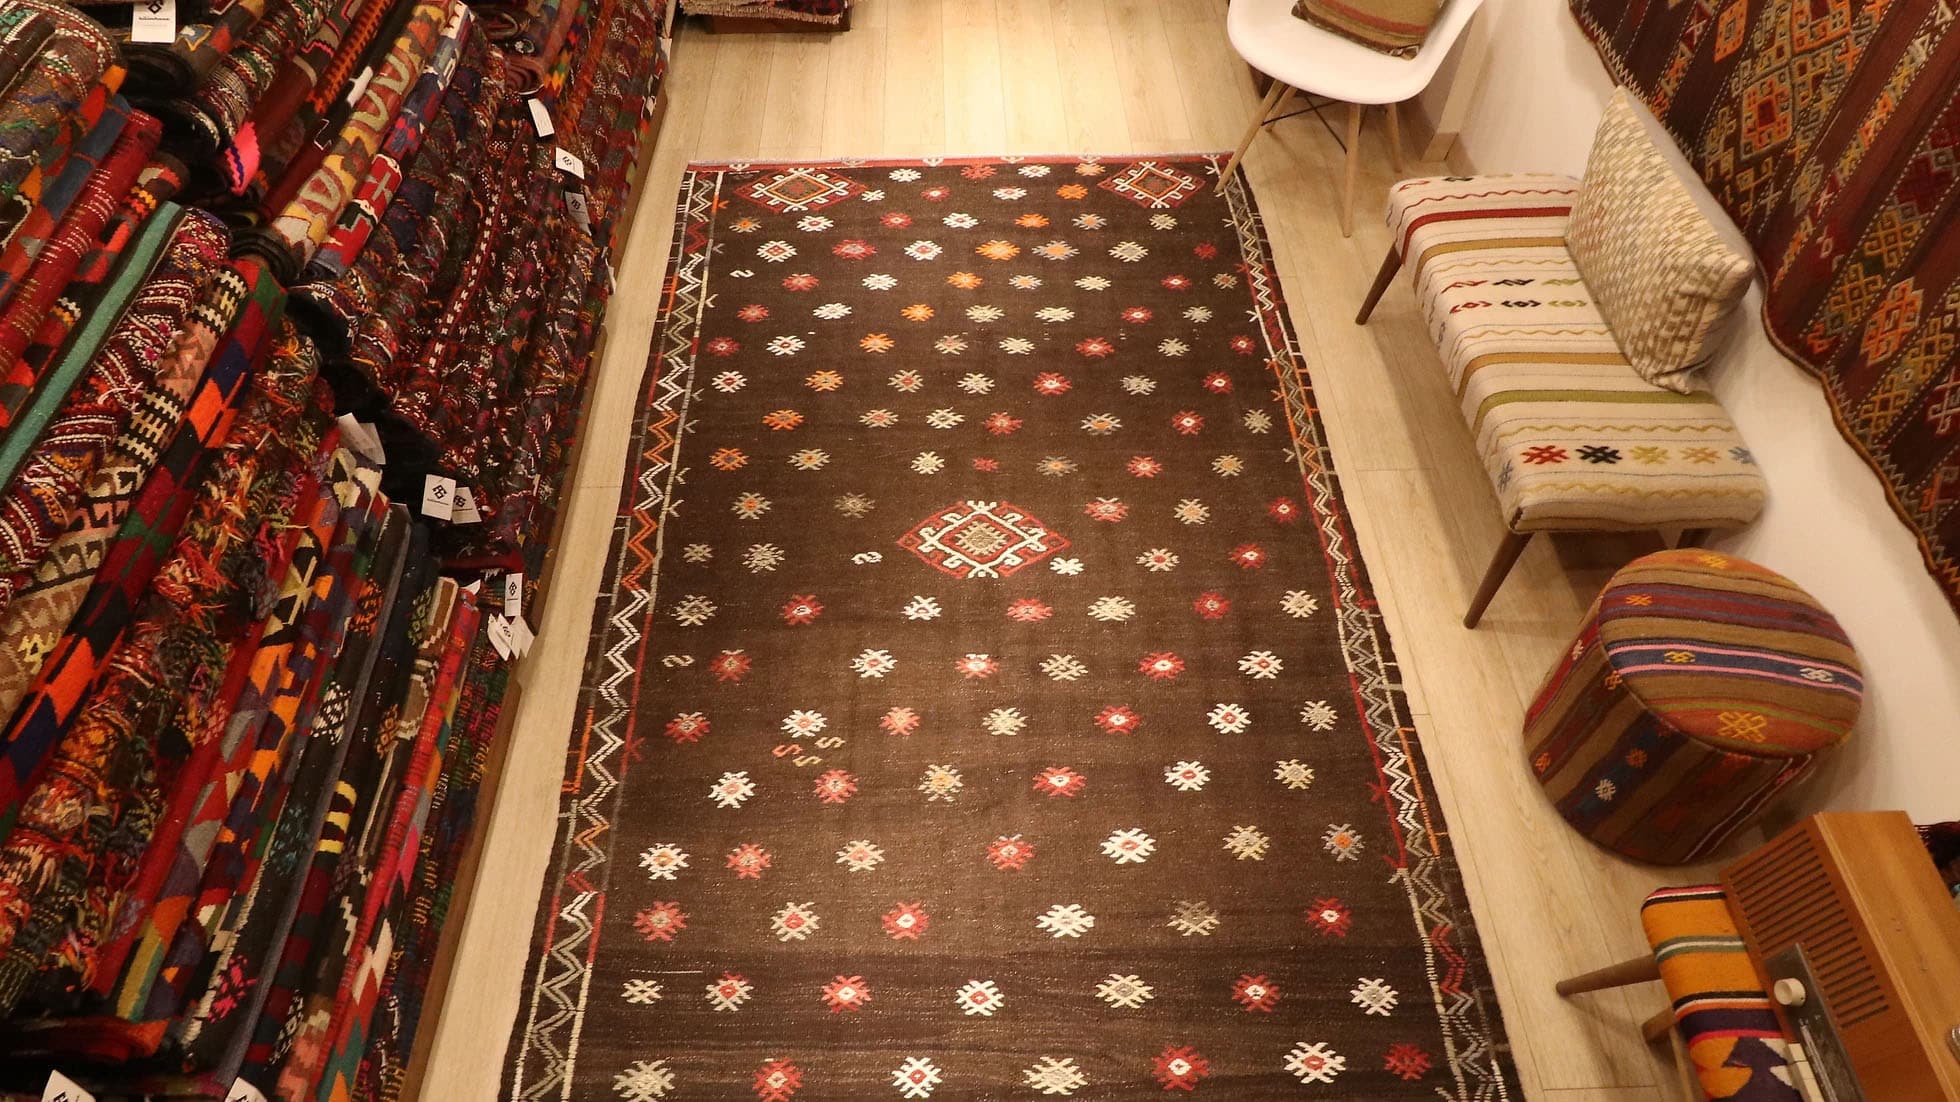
<point x="987" y="699"/>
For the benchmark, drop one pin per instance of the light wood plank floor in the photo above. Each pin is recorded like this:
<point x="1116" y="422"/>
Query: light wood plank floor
<point x="925" y="77"/>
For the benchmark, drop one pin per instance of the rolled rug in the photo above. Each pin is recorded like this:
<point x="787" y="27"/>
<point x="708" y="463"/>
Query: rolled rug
<point x="223" y="1027"/>
<point x="31" y="238"/>
<point x="249" y="793"/>
<point x="25" y="415"/>
<point x="288" y="156"/>
<point x="314" y="918"/>
<point x="289" y="240"/>
<point x="94" y="279"/>
<point x="38" y="861"/>
<point x="24" y="31"/>
<point x="114" y="599"/>
<point x="78" y="233"/>
<point x="205" y="35"/>
<point x="36" y="506"/>
<point x="398" y="147"/>
<point x="58" y="97"/>
<point x="378" y="272"/>
<point x="159" y="455"/>
<point x="253" y="117"/>
<point x="207" y="119"/>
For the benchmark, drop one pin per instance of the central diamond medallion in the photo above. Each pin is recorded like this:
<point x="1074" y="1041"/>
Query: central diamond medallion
<point x="1153" y="185"/>
<point x="799" y="189"/>
<point x="982" y="539"/>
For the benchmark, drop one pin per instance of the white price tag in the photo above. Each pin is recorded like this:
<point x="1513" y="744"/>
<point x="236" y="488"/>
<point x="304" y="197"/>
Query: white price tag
<point x="500" y="636"/>
<point x="153" y="21"/>
<point x="568" y="161"/>
<point x="466" y="511"/>
<point x="241" y="1091"/>
<point x="438" y="496"/>
<point x="360" y="436"/>
<point x="581" y="213"/>
<point x="514" y="594"/>
<point x="60" y="1088"/>
<point x="540" y="118"/>
<point x="521" y="637"/>
<point x="359" y="89"/>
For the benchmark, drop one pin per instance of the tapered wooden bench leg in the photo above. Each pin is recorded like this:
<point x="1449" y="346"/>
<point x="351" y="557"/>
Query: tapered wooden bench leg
<point x="1391" y="264"/>
<point x="1500" y="567"/>
<point x="1684" y="1066"/>
<point x="1640" y="969"/>
<point x="1658" y="1026"/>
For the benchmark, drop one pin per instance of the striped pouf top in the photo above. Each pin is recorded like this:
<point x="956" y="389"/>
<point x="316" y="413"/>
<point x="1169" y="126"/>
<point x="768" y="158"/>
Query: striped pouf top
<point x="1730" y="653"/>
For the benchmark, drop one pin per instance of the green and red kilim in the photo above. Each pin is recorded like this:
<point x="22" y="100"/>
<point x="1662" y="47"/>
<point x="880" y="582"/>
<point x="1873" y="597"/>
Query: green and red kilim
<point x="987" y="697"/>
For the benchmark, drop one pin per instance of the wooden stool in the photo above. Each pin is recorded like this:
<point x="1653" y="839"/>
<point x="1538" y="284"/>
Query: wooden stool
<point x="1699" y="687"/>
<point x="1728" y="1045"/>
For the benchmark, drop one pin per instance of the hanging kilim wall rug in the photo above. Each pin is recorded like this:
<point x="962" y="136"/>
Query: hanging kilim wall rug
<point x="1830" y="130"/>
<point x="988" y="700"/>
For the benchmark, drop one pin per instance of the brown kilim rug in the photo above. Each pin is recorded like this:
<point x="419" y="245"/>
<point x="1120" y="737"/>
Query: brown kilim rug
<point x="987" y="699"/>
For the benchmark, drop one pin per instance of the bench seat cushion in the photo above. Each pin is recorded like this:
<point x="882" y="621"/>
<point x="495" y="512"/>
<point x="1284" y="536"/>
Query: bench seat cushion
<point x="1731" y="1034"/>
<point x="1571" y="437"/>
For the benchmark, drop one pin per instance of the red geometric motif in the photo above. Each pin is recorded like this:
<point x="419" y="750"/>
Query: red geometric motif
<point x="1153" y="184"/>
<point x="799" y="189"/>
<point x="982" y="539"/>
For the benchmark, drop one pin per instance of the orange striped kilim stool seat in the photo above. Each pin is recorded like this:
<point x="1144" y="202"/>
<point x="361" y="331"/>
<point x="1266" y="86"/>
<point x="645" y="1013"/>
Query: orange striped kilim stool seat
<point x="1727" y="1027"/>
<point x="1699" y="687"/>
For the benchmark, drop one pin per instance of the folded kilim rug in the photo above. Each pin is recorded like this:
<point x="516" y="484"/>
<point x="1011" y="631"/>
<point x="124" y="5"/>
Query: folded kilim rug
<point x="988" y="700"/>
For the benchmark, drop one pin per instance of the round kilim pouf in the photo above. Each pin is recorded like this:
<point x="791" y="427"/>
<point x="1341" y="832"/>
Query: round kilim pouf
<point x="1700" y="686"/>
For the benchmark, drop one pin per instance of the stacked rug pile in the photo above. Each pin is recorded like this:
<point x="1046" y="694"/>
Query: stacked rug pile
<point x="297" y="302"/>
<point x="831" y="13"/>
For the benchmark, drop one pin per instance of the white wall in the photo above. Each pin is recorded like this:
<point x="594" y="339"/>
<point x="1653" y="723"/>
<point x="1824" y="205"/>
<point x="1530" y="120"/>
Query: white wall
<point x="1828" y="525"/>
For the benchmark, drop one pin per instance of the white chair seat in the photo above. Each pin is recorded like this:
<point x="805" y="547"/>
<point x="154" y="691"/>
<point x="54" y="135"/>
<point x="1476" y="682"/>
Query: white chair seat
<point x="1287" y="48"/>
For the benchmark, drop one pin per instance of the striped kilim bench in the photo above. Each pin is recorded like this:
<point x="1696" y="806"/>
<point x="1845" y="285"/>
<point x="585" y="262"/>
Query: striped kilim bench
<point x="1728" y="1045"/>
<point x="1727" y="1027"/>
<point x="1571" y="437"/>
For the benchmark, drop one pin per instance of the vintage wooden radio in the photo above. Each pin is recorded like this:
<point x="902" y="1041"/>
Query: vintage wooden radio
<point x="1859" y="945"/>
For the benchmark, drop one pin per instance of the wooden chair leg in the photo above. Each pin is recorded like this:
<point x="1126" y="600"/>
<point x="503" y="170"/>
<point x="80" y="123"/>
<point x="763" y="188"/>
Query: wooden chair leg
<point x="1353" y="169"/>
<point x="1395" y="136"/>
<point x="1500" y="566"/>
<point x="1273" y="94"/>
<point x="1684" y="1066"/>
<point x="1694" y="537"/>
<point x="1640" y="969"/>
<point x="1391" y="264"/>
<point x="1659" y="1026"/>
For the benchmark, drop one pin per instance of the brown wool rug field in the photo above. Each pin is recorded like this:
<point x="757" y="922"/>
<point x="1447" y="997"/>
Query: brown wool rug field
<point x="988" y="700"/>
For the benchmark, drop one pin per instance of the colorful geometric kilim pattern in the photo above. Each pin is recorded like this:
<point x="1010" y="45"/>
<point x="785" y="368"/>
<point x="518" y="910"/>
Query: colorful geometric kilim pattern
<point x="1700" y="685"/>
<point x="1720" y="1007"/>
<point x="988" y="700"/>
<point x="1570" y="434"/>
<point x="1831" y="132"/>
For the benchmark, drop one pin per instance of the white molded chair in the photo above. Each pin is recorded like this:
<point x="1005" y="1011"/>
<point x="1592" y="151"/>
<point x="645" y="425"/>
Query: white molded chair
<point x="1301" y="57"/>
